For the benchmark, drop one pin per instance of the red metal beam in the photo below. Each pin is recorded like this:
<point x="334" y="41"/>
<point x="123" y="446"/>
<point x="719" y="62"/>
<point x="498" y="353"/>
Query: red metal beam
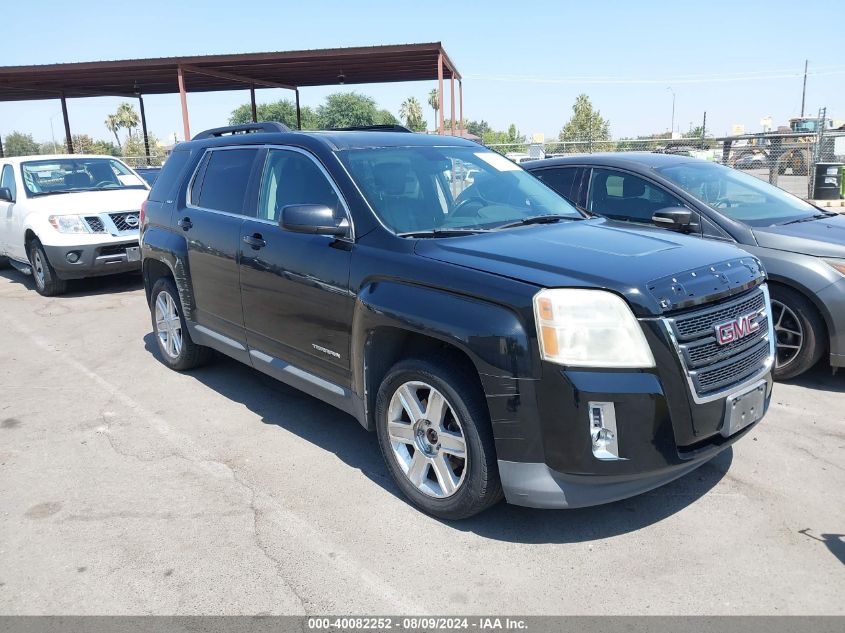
<point x="440" y="92"/>
<point x="183" y="97"/>
<point x="237" y="78"/>
<point x="452" y="97"/>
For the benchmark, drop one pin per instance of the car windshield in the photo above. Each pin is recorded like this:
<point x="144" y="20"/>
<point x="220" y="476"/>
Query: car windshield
<point x="450" y="189"/>
<point x="739" y="196"/>
<point x="67" y="175"/>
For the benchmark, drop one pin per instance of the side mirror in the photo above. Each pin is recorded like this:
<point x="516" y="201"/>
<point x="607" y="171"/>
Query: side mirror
<point x="317" y="219"/>
<point x="6" y="194"/>
<point x="674" y="219"/>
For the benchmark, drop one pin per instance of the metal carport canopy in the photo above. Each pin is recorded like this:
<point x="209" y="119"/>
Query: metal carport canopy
<point x="133" y="78"/>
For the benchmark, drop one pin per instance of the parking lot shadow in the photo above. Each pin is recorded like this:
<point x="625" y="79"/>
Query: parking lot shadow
<point x="339" y="433"/>
<point x="821" y="377"/>
<point x="109" y="284"/>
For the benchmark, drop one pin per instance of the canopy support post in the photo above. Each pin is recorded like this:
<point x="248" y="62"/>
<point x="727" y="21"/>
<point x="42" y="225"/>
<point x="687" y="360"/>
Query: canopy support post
<point x="183" y="97"/>
<point x="440" y="92"/>
<point x="252" y="103"/>
<point x="298" y="113"/>
<point x="461" y="106"/>
<point x="452" y="97"/>
<point x="68" y="139"/>
<point x="144" y="129"/>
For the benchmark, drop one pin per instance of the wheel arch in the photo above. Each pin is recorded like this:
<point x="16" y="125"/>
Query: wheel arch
<point x="821" y="310"/>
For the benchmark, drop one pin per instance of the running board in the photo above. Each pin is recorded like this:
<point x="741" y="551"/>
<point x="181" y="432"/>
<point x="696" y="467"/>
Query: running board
<point x="26" y="269"/>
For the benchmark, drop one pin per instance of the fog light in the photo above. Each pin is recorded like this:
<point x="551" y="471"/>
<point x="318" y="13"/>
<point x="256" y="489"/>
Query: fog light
<point x="72" y="257"/>
<point x="603" y="437"/>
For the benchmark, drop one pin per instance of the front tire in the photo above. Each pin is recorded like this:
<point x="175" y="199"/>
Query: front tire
<point x="47" y="283"/>
<point x="800" y="333"/>
<point x="435" y="435"/>
<point x="177" y="349"/>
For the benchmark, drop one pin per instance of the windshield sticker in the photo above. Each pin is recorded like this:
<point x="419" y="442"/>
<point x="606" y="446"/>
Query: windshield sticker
<point x="497" y="161"/>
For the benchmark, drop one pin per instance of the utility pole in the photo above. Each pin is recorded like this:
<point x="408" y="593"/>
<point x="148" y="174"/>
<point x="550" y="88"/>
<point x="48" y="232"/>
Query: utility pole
<point x="703" y="129"/>
<point x="804" y="90"/>
<point x="672" y="128"/>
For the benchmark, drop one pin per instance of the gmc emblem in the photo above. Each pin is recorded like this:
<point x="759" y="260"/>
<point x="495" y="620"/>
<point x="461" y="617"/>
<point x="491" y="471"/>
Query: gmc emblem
<point x="739" y="328"/>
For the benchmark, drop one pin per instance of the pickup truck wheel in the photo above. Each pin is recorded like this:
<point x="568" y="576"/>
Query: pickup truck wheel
<point x="798" y="330"/>
<point x="435" y="435"/>
<point x="47" y="283"/>
<point x="174" y="342"/>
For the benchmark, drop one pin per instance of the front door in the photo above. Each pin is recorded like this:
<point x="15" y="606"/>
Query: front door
<point x="7" y="212"/>
<point x="295" y="287"/>
<point x="211" y="222"/>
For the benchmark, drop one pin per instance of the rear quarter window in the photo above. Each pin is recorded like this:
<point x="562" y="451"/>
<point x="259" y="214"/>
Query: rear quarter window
<point x="170" y="177"/>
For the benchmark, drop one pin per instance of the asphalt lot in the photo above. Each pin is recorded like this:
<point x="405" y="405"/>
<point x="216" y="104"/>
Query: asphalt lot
<point x="796" y="185"/>
<point x="126" y="488"/>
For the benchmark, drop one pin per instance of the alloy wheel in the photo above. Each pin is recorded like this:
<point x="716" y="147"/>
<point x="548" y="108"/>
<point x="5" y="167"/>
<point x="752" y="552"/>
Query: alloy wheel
<point x="789" y="334"/>
<point x="427" y="439"/>
<point x="168" y="325"/>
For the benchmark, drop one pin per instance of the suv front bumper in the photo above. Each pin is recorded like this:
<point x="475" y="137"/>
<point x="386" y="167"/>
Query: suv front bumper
<point x="94" y="260"/>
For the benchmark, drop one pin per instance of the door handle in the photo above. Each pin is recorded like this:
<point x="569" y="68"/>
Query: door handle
<point x="185" y="223"/>
<point x="255" y="241"/>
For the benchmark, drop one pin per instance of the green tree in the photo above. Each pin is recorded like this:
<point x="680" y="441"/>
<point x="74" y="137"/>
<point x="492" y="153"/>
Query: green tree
<point x="434" y="102"/>
<point x="504" y="142"/>
<point x="128" y="117"/>
<point x="345" y="109"/>
<point x="586" y="123"/>
<point x="385" y="117"/>
<point x="134" y="148"/>
<point x="282" y="111"/>
<point x="478" y="128"/>
<point x="694" y="132"/>
<point x="51" y="147"/>
<point x="411" y="113"/>
<point x="20" y="144"/>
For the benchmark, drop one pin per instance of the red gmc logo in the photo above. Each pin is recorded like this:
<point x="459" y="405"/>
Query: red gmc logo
<point x="737" y="329"/>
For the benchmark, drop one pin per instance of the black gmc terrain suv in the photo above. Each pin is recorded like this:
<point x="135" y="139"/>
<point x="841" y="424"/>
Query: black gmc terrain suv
<point x="498" y="340"/>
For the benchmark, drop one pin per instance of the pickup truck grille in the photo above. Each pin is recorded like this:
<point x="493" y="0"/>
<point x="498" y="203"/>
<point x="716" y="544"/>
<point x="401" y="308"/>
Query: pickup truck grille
<point x="712" y="367"/>
<point x="125" y="221"/>
<point x="95" y="224"/>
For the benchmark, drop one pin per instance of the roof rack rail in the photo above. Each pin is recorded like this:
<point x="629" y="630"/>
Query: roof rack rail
<point x="261" y="126"/>
<point x="373" y="128"/>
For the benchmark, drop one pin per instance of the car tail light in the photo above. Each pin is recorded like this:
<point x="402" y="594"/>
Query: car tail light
<point x="143" y="213"/>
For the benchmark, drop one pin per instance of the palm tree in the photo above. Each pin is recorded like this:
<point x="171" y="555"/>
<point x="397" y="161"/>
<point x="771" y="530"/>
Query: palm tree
<point x="434" y="102"/>
<point x="411" y="113"/>
<point x="113" y="124"/>
<point x="127" y="116"/>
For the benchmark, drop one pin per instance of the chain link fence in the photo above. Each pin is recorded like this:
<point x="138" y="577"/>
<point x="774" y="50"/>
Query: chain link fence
<point x="787" y="160"/>
<point x="142" y="161"/>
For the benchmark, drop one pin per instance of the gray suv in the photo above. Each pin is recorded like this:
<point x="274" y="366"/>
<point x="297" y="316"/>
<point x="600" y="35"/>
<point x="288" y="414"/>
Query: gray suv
<point x="801" y="246"/>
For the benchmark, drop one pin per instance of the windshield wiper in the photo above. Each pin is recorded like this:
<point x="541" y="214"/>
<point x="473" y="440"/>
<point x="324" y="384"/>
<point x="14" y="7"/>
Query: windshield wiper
<point x="442" y="232"/>
<point x="51" y="193"/>
<point x="538" y="219"/>
<point x="816" y="216"/>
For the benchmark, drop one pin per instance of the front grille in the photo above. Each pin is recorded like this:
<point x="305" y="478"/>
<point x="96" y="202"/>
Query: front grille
<point x="124" y="221"/>
<point x="710" y="366"/>
<point x="95" y="224"/>
<point x="116" y="249"/>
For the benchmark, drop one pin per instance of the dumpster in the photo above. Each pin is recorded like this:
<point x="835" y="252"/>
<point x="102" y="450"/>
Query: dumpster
<point x="828" y="181"/>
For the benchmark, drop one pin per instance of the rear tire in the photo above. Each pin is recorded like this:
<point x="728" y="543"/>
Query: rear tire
<point x="175" y="346"/>
<point x="445" y="465"/>
<point x="47" y="283"/>
<point x="800" y="333"/>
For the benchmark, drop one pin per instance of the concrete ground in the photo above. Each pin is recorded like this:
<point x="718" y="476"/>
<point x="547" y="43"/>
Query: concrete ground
<point x="126" y="488"/>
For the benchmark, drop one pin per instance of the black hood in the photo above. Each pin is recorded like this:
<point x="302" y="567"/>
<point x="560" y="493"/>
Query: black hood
<point x="656" y="270"/>
<point x="824" y="237"/>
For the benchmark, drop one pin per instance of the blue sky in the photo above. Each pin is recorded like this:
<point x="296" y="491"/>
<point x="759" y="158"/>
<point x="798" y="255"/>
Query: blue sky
<point x="522" y="62"/>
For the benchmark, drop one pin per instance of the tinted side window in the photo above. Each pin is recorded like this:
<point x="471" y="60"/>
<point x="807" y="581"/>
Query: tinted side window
<point x="226" y="180"/>
<point x="559" y="178"/>
<point x="626" y="197"/>
<point x="293" y="178"/>
<point x="7" y="179"/>
<point x="170" y="177"/>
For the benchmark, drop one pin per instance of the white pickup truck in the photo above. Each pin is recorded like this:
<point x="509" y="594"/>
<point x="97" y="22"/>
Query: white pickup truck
<point x="69" y="216"/>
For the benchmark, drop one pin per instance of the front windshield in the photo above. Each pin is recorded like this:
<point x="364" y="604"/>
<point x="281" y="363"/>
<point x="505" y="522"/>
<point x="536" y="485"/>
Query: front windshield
<point x="442" y="189"/>
<point x="66" y="175"/>
<point x="739" y="196"/>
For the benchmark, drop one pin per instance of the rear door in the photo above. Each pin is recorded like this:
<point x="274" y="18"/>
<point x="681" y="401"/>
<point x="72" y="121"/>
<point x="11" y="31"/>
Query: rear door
<point x="295" y="287"/>
<point x="216" y="206"/>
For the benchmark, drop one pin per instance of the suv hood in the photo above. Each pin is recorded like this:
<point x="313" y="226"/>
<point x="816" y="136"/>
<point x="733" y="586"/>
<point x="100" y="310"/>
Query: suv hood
<point x="89" y="202"/>
<point x="821" y="238"/>
<point x="656" y="270"/>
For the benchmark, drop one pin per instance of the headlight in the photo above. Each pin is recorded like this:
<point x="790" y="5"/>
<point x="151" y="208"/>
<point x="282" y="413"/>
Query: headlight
<point x="68" y="224"/>
<point x="589" y="328"/>
<point x="837" y="264"/>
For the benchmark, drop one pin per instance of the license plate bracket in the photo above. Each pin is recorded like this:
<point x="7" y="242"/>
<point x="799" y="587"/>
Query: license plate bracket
<point x="744" y="409"/>
<point x="133" y="253"/>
